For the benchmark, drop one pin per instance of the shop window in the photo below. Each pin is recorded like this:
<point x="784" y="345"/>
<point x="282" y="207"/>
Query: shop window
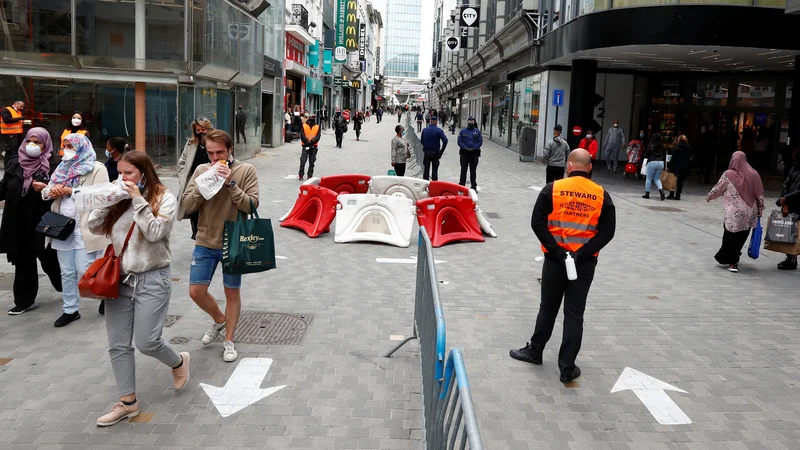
<point x="666" y="93"/>
<point x="711" y="93"/>
<point x="37" y="31"/>
<point x="756" y="94"/>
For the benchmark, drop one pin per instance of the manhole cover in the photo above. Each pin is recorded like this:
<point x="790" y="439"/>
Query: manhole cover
<point x="269" y="328"/>
<point x="664" y="209"/>
<point x="179" y="340"/>
<point x="171" y="320"/>
<point x="7" y="281"/>
<point x="492" y="215"/>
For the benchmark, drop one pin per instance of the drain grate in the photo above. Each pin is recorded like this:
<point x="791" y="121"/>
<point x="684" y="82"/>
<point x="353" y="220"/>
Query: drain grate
<point x="171" y="320"/>
<point x="269" y="328"/>
<point x="179" y="340"/>
<point x="7" y="281"/>
<point x="491" y="215"/>
<point x="664" y="209"/>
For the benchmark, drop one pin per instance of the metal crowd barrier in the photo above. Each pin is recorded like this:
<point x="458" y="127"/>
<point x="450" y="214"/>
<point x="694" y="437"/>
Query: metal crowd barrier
<point x="439" y="403"/>
<point x="413" y="167"/>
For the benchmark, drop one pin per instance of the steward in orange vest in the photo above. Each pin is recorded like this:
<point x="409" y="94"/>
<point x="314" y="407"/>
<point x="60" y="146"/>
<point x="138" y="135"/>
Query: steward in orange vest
<point x="310" y="138"/>
<point x="77" y="126"/>
<point x="11" y="122"/>
<point x="576" y="216"/>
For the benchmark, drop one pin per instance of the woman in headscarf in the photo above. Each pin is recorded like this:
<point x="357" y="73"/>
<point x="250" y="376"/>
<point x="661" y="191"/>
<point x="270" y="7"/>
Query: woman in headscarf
<point x="77" y="126"/>
<point x="79" y="167"/>
<point x="194" y="154"/>
<point x="744" y="202"/>
<point x="26" y="174"/>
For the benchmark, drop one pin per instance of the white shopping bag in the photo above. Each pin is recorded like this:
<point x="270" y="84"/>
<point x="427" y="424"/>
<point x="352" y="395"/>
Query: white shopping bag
<point x="209" y="183"/>
<point x="101" y="195"/>
<point x="644" y="168"/>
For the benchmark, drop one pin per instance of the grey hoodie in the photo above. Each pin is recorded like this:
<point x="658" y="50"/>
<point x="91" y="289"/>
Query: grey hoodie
<point x="555" y="152"/>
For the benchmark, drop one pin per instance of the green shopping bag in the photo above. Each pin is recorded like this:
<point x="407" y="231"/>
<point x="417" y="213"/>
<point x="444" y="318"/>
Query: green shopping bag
<point x="248" y="245"/>
<point x="391" y="173"/>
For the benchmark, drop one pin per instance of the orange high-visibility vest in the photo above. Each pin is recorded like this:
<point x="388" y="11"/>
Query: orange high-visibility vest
<point x="67" y="132"/>
<point x="577" y="202"/>
<point x="12" y="128"/>
<point x="309" y="131"/>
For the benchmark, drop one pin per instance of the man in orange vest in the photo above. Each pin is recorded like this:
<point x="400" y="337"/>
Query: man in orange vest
<point x="310" y="138"/>
<point x="573" y="217"/>
<point x="11" y="123"/>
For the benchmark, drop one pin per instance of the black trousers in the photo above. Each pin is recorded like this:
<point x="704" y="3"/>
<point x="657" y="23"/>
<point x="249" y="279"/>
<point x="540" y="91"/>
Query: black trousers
<point x="400" y="168"/>
<point x="469" y="160"/>
<point x="556" y="287"/>
<point x="553" y="173"/>
<point x="358" y="133"/>
<point x="308" y="154"/>
<point x="679" y="185"/>
<point x="732" y="244"/>
<point x="240" y="131"/>
<point x="427" y="162"/>
<point x="26" y="276"/>
<point x="419" y="129"/>
<point x="339" y="137"/>
<point x="12" y="143"/>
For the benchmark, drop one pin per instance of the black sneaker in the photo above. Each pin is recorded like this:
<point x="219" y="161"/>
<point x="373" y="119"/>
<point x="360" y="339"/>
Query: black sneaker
<point x="66" y="319"/>
<point x="787" y="265"/>
<point x="734" y="268"/>
<point x="17" y="310"/>
<point x="526" y="354"/>
<point x="569" y="379"/>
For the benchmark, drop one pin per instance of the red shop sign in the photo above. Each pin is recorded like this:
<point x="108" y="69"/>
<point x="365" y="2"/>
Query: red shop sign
<point x="295" y="49"/>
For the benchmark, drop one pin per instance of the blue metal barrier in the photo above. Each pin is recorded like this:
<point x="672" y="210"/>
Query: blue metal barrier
<point x="454" y="405"/>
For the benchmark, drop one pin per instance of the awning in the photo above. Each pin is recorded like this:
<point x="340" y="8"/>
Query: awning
<point x="301" y="34"/>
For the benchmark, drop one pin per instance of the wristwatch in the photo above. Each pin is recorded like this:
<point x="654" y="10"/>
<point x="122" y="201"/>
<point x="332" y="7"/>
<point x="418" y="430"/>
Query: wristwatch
<point x="231" y="185"/>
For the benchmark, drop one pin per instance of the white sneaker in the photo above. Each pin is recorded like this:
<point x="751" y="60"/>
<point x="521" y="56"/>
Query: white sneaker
<point x="229" y="353"/>
<point x="212" y="333"/>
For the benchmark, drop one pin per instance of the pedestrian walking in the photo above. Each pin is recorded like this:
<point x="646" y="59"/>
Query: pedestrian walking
<point x="310" y="138"/>
<point x="26" y="174"/>
<point x="380" y="114"/>
<point x="470" y="141"/>
<point x="323" y="118"/>
<point x="679" y="165"/>
<point x="241" y="121"/>
<point x="743" y="199"/>
<point x="790" y="190"/>
<point x="139" y="229"/>
<point x="339" y="128"/>
<point x="287" y="118"/>
<point x="613" y="143"/>
<point x="574" y="218"/>
<point x="434" y="141"/>
<point x="419" y="118"/>
<point x="358" y="120"/>
<point x="555" y="155"/>
<point x="368" y="114"/>
<point x="11" y="128"/>
<point x="589" y="143"/>
<point x="78" y="168"/>
<point x="193" y="156"/>
<point x="238" y="195"/>
<point x="400" y="151"/>
<point x="115" y="148"/>
<point x="399" y="115"/>
<point x="77" y="126"/>
<point x="655" y="156"/>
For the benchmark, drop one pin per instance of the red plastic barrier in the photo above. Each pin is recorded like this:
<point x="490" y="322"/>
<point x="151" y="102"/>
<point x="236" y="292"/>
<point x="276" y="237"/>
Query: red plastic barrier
<point x="445" y="188"/>
<point x="449" y="219"/>
<point x="347" y="184"/>
<point x="314" y="211"/>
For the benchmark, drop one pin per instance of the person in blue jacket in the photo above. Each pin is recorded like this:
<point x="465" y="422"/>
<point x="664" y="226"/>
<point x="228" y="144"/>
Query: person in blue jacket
<point x="432" y="135"/>
<point x="470" y="141"/>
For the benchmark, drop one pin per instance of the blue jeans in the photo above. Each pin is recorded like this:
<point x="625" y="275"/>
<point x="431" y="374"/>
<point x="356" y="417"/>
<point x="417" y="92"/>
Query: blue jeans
<point x="73" y="265"/>
<point x="204" y="264"/>
<point x="653" y="170"/>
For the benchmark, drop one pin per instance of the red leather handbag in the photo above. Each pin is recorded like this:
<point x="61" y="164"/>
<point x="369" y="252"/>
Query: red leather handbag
<point x="101" y="280"/>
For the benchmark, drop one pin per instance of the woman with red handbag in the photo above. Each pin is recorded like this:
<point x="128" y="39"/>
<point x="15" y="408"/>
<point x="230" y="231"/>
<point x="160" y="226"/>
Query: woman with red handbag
<point x="139" y="230"/>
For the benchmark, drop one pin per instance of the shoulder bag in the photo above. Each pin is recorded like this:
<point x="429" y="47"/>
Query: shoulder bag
<point x="101" y="280"/>
<point x="56" y="226"/>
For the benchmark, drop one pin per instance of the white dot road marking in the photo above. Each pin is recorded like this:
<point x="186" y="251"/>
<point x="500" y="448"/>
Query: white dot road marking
<point x="538" y="258"/>
<point x="281" y="257"/>
<point x="535" y="188"/>
<point x="290" y="177"/>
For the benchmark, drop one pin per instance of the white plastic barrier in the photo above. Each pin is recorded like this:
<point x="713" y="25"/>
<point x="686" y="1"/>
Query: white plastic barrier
<point x="388" y="219"/>
<point x="484" y="223"/>
<point x="314" y="181"/>
<point x="412" y="188"/>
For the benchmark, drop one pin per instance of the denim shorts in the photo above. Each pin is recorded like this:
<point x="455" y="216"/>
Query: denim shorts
<point x="204" y="264"/>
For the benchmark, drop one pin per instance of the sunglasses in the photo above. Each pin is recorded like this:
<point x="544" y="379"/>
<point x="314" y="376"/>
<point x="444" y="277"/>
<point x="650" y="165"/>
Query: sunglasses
<point x="202" y="119"/>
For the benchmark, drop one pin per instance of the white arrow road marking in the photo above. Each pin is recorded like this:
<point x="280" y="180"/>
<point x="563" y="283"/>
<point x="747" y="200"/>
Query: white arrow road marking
<point x="243" y="387"/>
<point x="411" y="260"/>
<point x="538" y="258"/>
<point x="535" y="188"/>
<point x="651" y="393"/>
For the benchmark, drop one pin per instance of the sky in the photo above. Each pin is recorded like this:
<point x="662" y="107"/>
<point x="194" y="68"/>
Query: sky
<point x="426" y="40"/>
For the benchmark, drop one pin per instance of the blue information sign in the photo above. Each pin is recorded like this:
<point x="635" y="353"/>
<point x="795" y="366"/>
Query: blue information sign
<point x="558" y="97"/>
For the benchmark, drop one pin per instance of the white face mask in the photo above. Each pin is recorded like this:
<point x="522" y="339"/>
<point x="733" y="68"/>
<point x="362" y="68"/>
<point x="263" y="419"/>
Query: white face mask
<point x="76" y="122"/>
<point x="33" y="150"/>
<point x="68" y="155"/>
<point x="588" y="136"/>
<point x="616" y="125"/>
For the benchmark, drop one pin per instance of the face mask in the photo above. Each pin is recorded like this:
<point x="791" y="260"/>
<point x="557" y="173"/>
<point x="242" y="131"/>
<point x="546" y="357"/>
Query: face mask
<point x="616" y="125"/>
<point x="641" y="135"/>
<point x="140" y="184"/>
<point x="108" y="154"/>
<point x="33" y="150"/>
<point x="588" y="136"/>
<point x="404" y="133"/>
<point x="68" y="155"/>
<point x="471" y="124"/>
<point x="76" y="122"/>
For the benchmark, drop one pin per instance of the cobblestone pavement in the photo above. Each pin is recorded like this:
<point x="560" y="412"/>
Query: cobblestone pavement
<point x="659" y="305"/>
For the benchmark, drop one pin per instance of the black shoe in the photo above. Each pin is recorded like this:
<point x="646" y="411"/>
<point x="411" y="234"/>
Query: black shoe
<point x="786" y="265"/>
<point x="17" y="310"/>
<point x="102" y="309"/>
<point x="661" y="192"/>
<point x="67" y="319"/>
<point x="646" y="195"/>
<point x="526" y="354"/>
<point x="569" y="379"/>
<point x="677" y="197"/>
<point x="671" y="196"/>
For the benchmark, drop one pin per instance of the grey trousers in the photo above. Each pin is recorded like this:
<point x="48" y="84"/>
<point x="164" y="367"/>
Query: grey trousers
<point x="137" y="316"/>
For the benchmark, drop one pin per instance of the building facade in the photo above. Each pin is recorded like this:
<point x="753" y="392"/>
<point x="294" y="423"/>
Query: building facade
<point x="403" y="31"/>
<point x="725" y="90"/>
<point x="142" y="70"/>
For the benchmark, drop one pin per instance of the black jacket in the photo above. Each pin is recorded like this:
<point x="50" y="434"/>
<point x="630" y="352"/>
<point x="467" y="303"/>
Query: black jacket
<point x="679" y="164"/>
<point x="792" y="182"/>
<point x="339" y="125"/>
<point x="606" y="226"/>
<point x="241" y="119"/>
<point x="314" y="140"/>
<point x="21" y="213"/>
<point x="357" y="121"/>
<point x="655" y="149"/>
